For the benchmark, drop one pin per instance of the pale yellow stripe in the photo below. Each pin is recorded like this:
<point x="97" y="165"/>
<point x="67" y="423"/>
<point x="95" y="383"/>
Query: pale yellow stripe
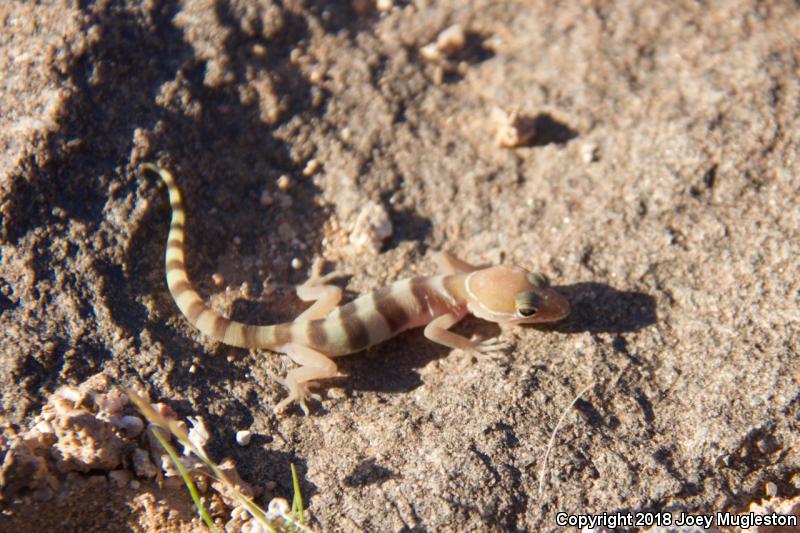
<point x="377" y="328"/>
<point x="176" y="275"/>
<point x="234" y="334"/>
<point x="265" y="337"/>
<point x="299" y="333"/>
<point x="205" y="322"/>
<point x="176" y="233"/>
<point x="436" y="283"/>
<point x="177" y="216"/>
<point x="401" y="292"/>
<point x="334" y="329"/>
<point x="187" y="299"/>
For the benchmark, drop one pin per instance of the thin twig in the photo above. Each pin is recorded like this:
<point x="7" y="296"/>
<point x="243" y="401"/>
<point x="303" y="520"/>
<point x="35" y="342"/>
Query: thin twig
<point x="553" y="438"/>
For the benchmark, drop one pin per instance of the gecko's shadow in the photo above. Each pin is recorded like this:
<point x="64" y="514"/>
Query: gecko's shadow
<point x="393" y="366"/>
<point x="599" y="308"/>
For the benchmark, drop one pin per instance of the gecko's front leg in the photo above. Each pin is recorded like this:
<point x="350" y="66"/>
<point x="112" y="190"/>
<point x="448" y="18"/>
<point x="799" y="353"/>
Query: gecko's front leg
<point x="438" y="331"/>
<point x="315" y="289"/>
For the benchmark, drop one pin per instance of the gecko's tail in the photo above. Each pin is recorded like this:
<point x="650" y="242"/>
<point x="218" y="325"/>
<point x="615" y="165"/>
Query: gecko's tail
<point x="186" y="298"/>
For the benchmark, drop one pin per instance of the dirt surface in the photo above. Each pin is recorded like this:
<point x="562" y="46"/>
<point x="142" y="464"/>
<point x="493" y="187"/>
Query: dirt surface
<point x="657" y="184"/>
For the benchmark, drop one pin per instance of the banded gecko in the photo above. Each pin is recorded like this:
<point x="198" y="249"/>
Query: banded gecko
<point x="504" y="294"/>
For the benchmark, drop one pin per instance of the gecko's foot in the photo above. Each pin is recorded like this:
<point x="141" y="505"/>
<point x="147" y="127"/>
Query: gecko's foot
<point x="491" y="349"/>
<point x="318" y="280"/>
<point x="298" y="392"/>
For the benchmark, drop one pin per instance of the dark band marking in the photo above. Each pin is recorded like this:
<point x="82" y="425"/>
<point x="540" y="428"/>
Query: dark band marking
<point x="317" y="337"/>
<point x="180" y="287"/>
<point x="392" y="312"/>
<point x="175" y="264"/>
<point x="283" y="333"/>
<point x="177" y="205"/>
<point x="220" y="327"/>
<point x="354" y="327"/>
<point x="176" y="226"/>
<point x="175" y="243"/>
<point x="194" y="311"/>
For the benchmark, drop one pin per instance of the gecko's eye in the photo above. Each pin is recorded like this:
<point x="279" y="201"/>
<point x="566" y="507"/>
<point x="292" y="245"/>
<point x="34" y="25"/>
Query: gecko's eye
<point x="538" y="280"/>
<point x="526" y="303"/>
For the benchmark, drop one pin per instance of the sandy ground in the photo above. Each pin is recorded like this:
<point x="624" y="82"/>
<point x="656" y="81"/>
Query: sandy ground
<point x="659" y="189"/>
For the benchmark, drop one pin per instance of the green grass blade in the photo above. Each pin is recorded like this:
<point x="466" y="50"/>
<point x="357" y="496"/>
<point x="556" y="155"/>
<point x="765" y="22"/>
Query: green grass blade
<point x="297" y="499"/>
<point x="173" y="455"/>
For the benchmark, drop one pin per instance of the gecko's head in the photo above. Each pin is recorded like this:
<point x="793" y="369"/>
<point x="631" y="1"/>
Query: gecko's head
<point x="512" y="295"/>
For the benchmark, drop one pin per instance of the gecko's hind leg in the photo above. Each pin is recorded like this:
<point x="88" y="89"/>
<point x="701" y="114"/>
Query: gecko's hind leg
<point x="325" y="297"/>
<point x="314" y="365"/>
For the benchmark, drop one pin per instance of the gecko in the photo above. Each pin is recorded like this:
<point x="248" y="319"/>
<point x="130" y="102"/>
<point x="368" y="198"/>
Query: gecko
<point x="503" y="294"/>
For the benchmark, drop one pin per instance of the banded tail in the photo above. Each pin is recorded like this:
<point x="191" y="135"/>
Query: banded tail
<point x="186" y="298"/>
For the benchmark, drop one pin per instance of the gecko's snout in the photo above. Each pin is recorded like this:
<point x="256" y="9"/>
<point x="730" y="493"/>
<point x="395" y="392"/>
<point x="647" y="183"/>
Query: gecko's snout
<point x="556" y="306"/>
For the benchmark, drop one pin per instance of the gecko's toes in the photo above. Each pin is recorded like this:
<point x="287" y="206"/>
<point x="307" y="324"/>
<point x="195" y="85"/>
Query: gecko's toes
<point x="298" y="392"/>
<point x="492" y="349"/>
<point x="317" y="279"/>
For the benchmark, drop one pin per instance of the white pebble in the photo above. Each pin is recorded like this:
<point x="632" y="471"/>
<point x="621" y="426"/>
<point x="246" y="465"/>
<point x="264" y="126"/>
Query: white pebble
<point x="266" y="198"/>
<point x="218" y="279"/>
<point x="277" y="507"/>
<point x="132" y="425"/>
<point x="193" y="369"/>
<point x="243" y="437"/>
<point x="590" y="152"/>
<point x="385" y="5"/>
<point x="199" y="434"/>
<point x="297" y="263"/>
<point x="371" y="228"/>
<point x="449" y="42"/>
<point x="311" y="167"/>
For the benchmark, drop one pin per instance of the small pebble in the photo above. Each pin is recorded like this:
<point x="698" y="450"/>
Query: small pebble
<point x="230" y="359"/>
<point x="237" y="240"/>
<point x="590" y="153"/>
<point x="193" y="369"/>
<point x="243" y="437"/>
<point x="297" y="263"/>
<point x="133" y="426"/>
<point x="217" y="279"/>
<point x="514" y="129"/>
<point x="317" y="75"/>
<point x="284" y="182"/>
<point x="771" y="489"/>
<point x="278" y="507"/>
<point x="449" y="42"/>
<point x="134" y="484"/>
<point x="199" y="434"/>
<point x="311" y="167"/>
<point x="385" y="5"/>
